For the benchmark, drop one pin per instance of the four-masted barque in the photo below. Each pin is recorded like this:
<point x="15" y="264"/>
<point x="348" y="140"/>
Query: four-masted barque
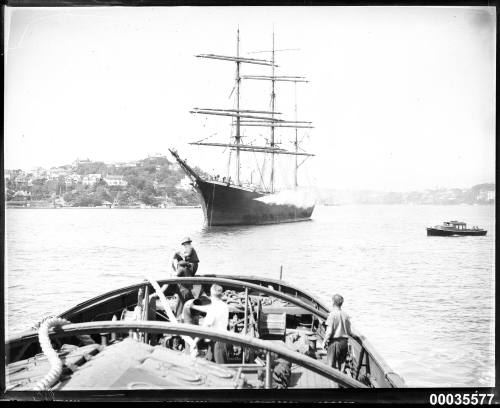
<point x="232" y="202"/>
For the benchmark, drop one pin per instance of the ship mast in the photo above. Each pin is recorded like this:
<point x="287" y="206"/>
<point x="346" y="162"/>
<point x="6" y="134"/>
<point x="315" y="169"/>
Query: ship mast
<point x="238" y="118"/>
<point x="296" y="167"/>
<point x="249" y="118"/>
<point x="273" y="97"/>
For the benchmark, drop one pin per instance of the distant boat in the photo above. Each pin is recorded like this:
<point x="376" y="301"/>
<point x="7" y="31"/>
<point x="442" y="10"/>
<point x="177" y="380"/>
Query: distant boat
<point x="228" y="202"/>
<point x="454" y="228"/>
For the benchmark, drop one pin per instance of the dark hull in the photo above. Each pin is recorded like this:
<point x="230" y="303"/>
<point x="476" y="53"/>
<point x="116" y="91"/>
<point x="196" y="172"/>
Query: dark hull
<point x="437" y="232"/>
<point x="230" y="205"/>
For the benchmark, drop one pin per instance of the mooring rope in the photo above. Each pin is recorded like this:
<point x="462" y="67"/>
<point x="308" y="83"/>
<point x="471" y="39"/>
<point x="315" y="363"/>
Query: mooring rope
<point x="56" y="364"/>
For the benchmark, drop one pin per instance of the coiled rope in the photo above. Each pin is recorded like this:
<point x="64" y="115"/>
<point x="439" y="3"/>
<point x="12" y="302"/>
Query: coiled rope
<point x="282" y="373"/>
<point x="56" y="364"/>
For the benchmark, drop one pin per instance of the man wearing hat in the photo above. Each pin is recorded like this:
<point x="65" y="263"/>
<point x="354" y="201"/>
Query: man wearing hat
<point x="186" y="258"/>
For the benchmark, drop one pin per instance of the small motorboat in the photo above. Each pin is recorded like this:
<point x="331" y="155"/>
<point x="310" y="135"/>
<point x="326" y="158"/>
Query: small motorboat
<point x="454" y="228"/>
<point x="130" y="339"/>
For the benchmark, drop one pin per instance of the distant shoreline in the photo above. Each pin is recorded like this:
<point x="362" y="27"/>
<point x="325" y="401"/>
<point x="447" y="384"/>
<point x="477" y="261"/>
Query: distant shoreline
<point x="180" y="207"/>
<point x="177" y="207"/>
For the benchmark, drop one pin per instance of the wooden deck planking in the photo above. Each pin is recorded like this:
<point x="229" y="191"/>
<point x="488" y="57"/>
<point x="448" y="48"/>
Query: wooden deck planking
<point x="303" y="378"/>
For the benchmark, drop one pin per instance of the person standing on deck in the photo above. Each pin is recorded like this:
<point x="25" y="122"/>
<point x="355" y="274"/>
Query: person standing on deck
<point x="217" y="317"/>
<point x="337" y="333"/>
<point x="187" y="254"/>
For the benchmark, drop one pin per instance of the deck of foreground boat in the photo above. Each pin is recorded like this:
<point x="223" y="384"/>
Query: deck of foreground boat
<point x="100" y="350"/>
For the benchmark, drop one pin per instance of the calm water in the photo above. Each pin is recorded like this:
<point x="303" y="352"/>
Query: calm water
<point x="425" y="303"/>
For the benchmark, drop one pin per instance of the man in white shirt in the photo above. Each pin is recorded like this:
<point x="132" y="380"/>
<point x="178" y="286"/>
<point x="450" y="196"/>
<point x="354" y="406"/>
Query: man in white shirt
<point x="217" y="318"/>
<point x="337" y="333"/>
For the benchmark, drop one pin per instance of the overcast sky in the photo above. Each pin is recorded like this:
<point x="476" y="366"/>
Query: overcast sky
<point x="401" y="98"/>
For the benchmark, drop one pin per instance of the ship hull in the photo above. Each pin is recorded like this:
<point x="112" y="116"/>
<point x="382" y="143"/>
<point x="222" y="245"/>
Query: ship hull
<point x="225" y="204"/>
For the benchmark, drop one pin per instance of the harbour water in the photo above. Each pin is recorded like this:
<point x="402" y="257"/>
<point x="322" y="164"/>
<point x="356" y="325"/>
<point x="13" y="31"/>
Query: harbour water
<point x="425" y="303"/>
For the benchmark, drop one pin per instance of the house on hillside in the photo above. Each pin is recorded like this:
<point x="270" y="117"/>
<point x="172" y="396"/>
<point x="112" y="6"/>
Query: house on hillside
<point x="115" y="180"/>
<point x="72" y="179"/>
<point x="184" y="184"/>
<point x="91" y="179"/>
<point x="487" y="196"/>
<point x="21" y="178"/>
<point x="56" y="172"/>
<point x="77" y="162"/>
<point x="120" y="165"/>
<point x="39" y="173"/>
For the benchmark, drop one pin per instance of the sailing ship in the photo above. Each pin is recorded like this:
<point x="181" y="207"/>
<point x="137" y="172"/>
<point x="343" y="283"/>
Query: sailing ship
<point x="232" y="202"/>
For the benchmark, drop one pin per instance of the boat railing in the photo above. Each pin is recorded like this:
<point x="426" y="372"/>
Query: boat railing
<point x="203" y="280"/>
<point x="369" y="359"/>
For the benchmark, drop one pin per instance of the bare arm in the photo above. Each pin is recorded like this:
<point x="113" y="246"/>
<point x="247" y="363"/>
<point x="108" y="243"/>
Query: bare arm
<point x="348" y="326"/>
<point x="329" y="330"/>
<point x="328" y="334"/>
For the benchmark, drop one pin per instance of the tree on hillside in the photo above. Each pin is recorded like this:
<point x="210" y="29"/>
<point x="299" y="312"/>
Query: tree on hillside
<point x="102" y="194"/>
<point x="86" y="198"/>
<point x="92" y="168"/>
<point x="484" y="187"/>
<point x="149" y="169"/>
<point x="39" y="190"/>
<point x="138" y="182"/>
<point x="9" y="194"/>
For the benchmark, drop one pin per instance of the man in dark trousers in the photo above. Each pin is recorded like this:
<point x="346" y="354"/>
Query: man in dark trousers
<point x="187" y="254"/>
<point x="337" y="333"/>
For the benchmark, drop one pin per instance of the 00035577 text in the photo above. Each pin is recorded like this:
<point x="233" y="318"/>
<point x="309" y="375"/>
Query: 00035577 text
<point x="460" y="399"/>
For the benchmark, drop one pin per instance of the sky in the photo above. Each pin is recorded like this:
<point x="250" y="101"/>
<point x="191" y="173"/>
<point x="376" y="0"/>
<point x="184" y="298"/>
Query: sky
<point x="401" y="98"/>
